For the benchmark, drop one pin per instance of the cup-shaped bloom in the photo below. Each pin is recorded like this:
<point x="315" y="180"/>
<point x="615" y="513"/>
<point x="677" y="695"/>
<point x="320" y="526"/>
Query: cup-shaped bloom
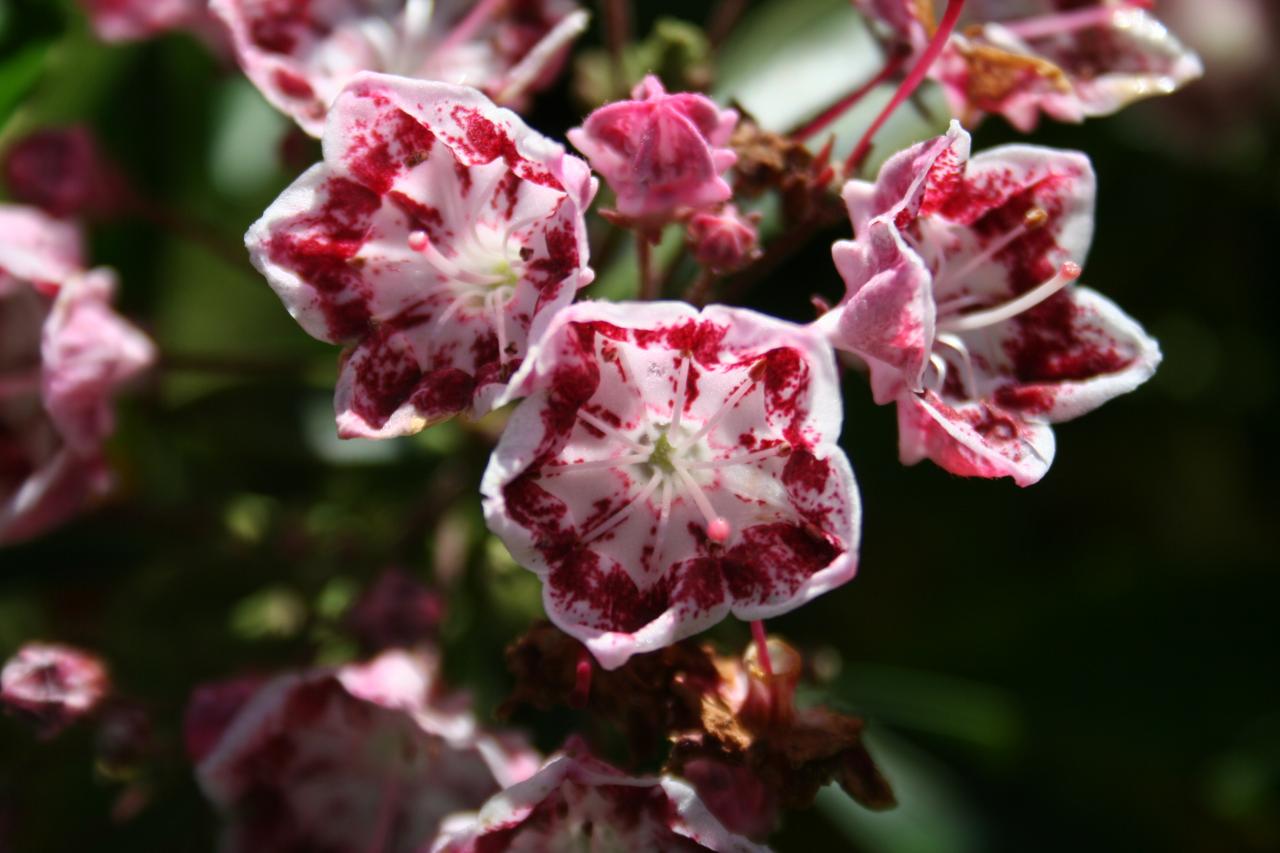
<point x="436" y="230"/>
<point x="671" y="466"/>
<point x="63" y="354"/>
<point x="301" y="55"/>
<point x="367" y="755"/>
<point x="660" y="152"/>
<point x="577" y="802"/>
<point x="54" y="685"/>
<point x="961" y="299"/>
<point x="1070" y="60"/>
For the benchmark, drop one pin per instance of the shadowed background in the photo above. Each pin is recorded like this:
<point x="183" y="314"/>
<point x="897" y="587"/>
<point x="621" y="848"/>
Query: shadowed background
<point x="1088" y="663"/>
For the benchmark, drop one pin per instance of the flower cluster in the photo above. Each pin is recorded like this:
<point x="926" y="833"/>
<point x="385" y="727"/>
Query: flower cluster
<point x="664" y="463"/>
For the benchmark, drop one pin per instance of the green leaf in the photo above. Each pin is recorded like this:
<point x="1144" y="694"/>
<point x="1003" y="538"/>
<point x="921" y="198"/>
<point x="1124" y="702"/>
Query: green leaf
<point x="18" y="75"/>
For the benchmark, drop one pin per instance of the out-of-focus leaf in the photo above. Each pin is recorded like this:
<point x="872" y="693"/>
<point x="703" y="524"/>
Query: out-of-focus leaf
<point x="790" y="59"/>
<point x="977" y="715"/>
<point x="273" y="612"/>
<point x="931" y="817"/>
<point x="18" y="74"/>
<point x="244" y="156"/>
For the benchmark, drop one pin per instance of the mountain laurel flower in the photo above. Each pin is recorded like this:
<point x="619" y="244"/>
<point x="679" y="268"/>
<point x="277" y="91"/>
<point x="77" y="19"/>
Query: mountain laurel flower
<point x="437" y="229"/>
<point x="660" y="153"/>
<point x="54" y="685"/>
<point x="961" y="299"/>
<point x="366" y="754"/>
<point x="671" y="466"/>
<point x="1069" y="60"/>
<point x="63" y="354"/>
<point x="723" y="240"/>
<point x="577" y="802"/>
<point x="301" y="55"/>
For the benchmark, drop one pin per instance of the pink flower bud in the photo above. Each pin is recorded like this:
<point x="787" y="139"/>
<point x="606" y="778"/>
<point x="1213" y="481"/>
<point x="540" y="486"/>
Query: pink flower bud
<point x="723" y="240"/>
<point x="659" y="152"/>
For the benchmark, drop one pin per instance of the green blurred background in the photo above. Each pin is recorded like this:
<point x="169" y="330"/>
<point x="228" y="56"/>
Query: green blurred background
<point x="1086" y="664"/>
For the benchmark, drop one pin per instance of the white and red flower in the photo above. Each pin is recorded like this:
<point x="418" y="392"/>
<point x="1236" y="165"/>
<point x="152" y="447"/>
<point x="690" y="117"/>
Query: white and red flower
<point x="672" y="466"/>
<point x="365" y="757"/>
<point x="302" y="54"/>
<point x="961" y="299"/>
<point x="577" y="802"/>
<point x="1070" y="59"/>
<point x="659" y="152"/>
<point x="131" y="20"/>
<point x="438" y="228"/>
<point x="53" y="684"/>
<point x="63" y="354"/>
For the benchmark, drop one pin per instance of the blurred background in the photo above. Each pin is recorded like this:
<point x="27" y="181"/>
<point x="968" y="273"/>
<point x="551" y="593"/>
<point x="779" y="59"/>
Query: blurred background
<point x="1090" y="663"/>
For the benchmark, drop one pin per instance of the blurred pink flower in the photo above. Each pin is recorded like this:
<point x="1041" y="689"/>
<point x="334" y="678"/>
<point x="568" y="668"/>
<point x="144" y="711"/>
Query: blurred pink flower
<point x="578" y="802"/>
<point x="658" y="152"/>
<point x="672" y="466"/>
<point x="438" y="229"/>
<point x="1066" y="58"/>
<point x="396" y="610"/>
<point x="961" y="300"/>
<point x="63" y="354"/>
<point x="131" y="20"/>
<point x="54" y="685"/>
<point x="301" y="55"/>
<point x="723" y="240"/>
<point x="364" y="757"/>
<point x="63" y="171"/>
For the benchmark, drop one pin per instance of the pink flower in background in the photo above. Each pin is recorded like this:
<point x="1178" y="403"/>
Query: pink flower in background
<point x="63" y="171"/>
<point x="1070" y="60"/>
<point x="63" y="354"/>
<point x="576" y="802"/>
<point x="365" y="757"/>
<point x="672" y="466"/>
<point x="132" y="20"/>
<point x="53" y="684"/>
<point x="723" y="240"/>
<point x="437" y="230"/>
<point x="302" y="55"/>
<point x="396" y="610"/>
<point x="961" y="300"/>
<point x="659" y="152"/>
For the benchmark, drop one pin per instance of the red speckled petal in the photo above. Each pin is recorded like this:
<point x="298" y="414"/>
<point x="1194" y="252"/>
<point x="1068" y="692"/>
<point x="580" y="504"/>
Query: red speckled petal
<point x="36" y="248"/>
<point x="1063" y="358"/>
<point x="973" y="439"/>
<point x="888" y="313"/>
<point x="575" y="801"/>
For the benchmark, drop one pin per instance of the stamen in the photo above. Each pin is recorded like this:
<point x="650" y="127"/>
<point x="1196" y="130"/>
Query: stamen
<point x="909" y="85"/>
<point x="956" y="345"/>
<point x="494" y="301"/>
<point x="476" y="18"/>
<point x="664" y="520"/>
<point x="417" y="240"/>
<point x="527" y="70"/>
<point x="423" y="246"/>
<point x="840" y="107"/>
<point x="718" y="528"/>
<point x="415" y="27"/>
<point x="455" y="305"/>
<point x="762" y="647"/>
<point x="714" y="420"/>
<point x="595" y="464"/>
<point x="981" y="319"/>
<point x="745" y="459"/>
<point x="682" y="385"/>
<point x="610" y="431"/>
<point x="625" y="511"/>
<point x="1035" y="218"/>
<point x="581" y="680"/>
<point x="939" y="365"/>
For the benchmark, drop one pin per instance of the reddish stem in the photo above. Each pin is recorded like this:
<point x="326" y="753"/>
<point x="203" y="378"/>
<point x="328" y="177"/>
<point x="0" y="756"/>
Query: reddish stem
<point x="909" y="85"/>
<point x="762" y="647"/>
<point x="582" y="680"/>
<point x="840" y="107"/>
